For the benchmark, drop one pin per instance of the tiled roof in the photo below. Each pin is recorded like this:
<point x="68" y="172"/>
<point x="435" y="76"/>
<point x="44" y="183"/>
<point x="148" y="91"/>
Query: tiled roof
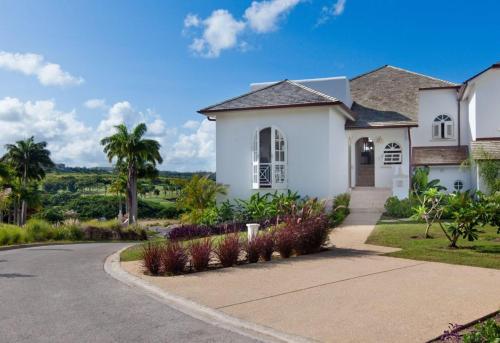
<point x="388" y="96"/>
<point x="487" y="149"/>
<point x="282" y="94"/>
<point x="444" y="155"/>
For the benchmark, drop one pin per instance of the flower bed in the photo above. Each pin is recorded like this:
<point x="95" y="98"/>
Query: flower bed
<point x="303" y="231"/>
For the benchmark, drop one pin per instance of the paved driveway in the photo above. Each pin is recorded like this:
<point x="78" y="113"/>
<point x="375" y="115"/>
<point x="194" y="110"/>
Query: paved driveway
<point x="62" y="294"/>
<point x="348" y="294"/>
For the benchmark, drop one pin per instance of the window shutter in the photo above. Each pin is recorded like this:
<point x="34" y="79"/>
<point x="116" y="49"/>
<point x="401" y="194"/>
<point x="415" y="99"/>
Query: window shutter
<point x="255" y="161"/>
<point x="435" y="130"/>
<point x="449" y="130"/>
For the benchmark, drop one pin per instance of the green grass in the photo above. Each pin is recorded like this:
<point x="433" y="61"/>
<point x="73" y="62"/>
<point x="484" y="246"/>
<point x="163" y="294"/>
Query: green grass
<point x="134" y="253"/>
<point x="485" y="252"/>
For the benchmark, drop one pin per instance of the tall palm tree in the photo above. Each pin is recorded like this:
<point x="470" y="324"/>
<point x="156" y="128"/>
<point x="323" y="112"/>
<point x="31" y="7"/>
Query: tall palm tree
<point x="134" y="153"/>
<point x="29" y="160"/>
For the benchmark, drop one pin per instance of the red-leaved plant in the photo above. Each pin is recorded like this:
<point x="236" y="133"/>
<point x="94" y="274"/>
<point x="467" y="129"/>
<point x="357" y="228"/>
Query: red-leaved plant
<point x="228" y="250"/>
<point x="174" y="258"/>
<point x="200" y="251"/>
<point x="285" y="241"/>
<point x="265" y="243"/>
<point x="309" y="226"/>
<point x="151" y="257"/>
<point x="252" y="250"/>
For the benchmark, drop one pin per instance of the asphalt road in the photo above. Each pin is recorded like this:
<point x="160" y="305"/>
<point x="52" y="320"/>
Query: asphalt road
<point x="62" y="294"/>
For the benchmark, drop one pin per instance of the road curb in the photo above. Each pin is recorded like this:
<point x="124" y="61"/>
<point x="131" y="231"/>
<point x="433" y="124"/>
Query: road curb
<point x="206" y="314"/>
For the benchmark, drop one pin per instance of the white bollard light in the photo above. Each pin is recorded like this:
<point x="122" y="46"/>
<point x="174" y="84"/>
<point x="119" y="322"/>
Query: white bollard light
<point x="252" y="229"/>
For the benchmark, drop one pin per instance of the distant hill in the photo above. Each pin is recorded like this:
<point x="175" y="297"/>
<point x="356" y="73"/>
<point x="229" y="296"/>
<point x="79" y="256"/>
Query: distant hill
<point x="62" y="169"/>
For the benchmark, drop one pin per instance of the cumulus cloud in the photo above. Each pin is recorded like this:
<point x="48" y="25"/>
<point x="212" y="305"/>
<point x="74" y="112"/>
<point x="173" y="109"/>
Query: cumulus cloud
<point x="75" y="143"/>
<point x="221" y="31"/>
<point x="263" y="16"/>
<point x="94" y="104"/>
<point x="191" y="124"/>
<point x="328" y="12"/>
<point x="192" y="20"/>
<point x="194" y="151"/>
<point x="48" y="74"/>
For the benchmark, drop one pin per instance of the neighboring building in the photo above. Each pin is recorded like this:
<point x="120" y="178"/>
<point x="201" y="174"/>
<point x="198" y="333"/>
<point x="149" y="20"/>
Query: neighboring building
<point x="322" y="137"/>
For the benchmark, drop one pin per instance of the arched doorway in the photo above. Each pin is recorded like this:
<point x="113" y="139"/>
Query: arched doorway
<point x="365" y="162"/>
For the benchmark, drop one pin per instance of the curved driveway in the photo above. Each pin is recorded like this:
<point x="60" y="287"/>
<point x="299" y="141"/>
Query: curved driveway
<point x="61" y="293"/>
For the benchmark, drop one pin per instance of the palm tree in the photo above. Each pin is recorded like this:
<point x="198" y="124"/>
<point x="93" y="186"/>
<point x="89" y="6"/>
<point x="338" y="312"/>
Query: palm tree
<point x="29" y="161"/>
<point x="134" y="153"/>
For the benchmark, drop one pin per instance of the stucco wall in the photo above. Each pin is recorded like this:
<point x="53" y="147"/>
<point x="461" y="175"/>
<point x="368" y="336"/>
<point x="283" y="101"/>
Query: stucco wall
<point x="431" y="104"/>
<point x="449" y="174"/>
<point x="381" y="137"/>
<point x="307" y="131"/>
<point x="488" y="104"/>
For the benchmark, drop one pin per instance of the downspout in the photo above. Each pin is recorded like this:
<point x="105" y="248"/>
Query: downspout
<point x="409" y="160"/>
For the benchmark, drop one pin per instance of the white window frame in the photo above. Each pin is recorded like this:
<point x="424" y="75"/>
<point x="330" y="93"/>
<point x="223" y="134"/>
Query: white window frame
<point x="393" y="154"/>
<point x="279" y="168"/>
<point x="455" y="185"/>
<point x="442" y="127"/>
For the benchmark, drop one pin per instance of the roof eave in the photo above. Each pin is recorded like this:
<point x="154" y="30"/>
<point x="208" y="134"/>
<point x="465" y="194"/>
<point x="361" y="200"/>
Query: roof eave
<point x="208" y="111"/>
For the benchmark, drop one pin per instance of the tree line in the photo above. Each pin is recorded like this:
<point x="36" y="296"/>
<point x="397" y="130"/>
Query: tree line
<point x="135" y="158"/>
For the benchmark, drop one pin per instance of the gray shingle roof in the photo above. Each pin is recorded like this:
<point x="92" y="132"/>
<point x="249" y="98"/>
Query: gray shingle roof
<point x="388" y="96"/>
<point x="443" y="155"/>
<point x="281" y="94"/>
<point x="486" y="149"/>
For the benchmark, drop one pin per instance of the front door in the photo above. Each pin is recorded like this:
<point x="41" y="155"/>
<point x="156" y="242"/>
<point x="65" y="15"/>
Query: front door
<point x="365" y="163"/>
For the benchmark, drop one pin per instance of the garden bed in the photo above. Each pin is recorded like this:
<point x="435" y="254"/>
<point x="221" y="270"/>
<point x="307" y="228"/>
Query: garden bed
<point x="480" y="330"/>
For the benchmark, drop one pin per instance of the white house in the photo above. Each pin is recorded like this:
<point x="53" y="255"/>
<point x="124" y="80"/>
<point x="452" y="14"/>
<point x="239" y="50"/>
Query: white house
<point x="322" y="137"/>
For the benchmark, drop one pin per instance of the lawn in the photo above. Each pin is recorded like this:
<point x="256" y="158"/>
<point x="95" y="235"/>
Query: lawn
<point x="485" y="252"/>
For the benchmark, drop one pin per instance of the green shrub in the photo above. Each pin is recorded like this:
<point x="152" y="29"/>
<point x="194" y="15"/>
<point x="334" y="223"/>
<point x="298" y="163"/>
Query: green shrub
<point x="340" y="209"/>
<point x="39" y="230"/>
<point x="489" y="331"/>
<point x="51" y="214"/>
<point x="397" y="208"/>
<point x="11" y="234"/>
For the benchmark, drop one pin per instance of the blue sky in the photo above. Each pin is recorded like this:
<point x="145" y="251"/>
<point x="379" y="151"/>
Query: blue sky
<point x="161" y="61"/>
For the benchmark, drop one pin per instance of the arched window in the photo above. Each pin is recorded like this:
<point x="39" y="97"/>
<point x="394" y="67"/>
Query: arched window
<point x="458" y="185"/>
<point x="392" y="154"/>
<point x="442" y="127"/>
<point x="269" y="159"/>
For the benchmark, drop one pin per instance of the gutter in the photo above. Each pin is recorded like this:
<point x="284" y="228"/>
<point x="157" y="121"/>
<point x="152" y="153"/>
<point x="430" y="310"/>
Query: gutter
<point x="409" y="161"/>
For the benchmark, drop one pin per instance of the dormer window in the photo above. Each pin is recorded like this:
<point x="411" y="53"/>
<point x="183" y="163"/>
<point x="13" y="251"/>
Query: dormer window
<point x="442" y="127"/>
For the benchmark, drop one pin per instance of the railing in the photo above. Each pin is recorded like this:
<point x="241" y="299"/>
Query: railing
<point x="265" y="179"/>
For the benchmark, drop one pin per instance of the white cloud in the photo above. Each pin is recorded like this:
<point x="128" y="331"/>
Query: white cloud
<point x="94" y="104"/>
<point x="195" y="151"/>
<point x="192" y="20"/>
<point x="191" y="125"/>
<point x="75" y="143"/>
<point x="220" y="32"/>
<point x="48" y="74"/>
<point x="263" y="16"/>
<point x="328" y="12"/>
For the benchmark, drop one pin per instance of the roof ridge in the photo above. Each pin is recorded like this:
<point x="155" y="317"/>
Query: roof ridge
<point x="424" y="75"/>
<point x="313" y="90"/>
<point x="369" y="72"/>
<point x="243" y="95"/>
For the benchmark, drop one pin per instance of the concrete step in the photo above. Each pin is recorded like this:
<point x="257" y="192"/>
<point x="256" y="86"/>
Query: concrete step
<point x="368" y="199"/>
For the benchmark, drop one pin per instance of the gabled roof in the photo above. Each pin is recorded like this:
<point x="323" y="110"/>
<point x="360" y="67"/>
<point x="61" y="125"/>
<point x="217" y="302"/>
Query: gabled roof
<point x="278" y="95"/>
<point x="388" y="97"/>
<point x="438" y="155"/>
